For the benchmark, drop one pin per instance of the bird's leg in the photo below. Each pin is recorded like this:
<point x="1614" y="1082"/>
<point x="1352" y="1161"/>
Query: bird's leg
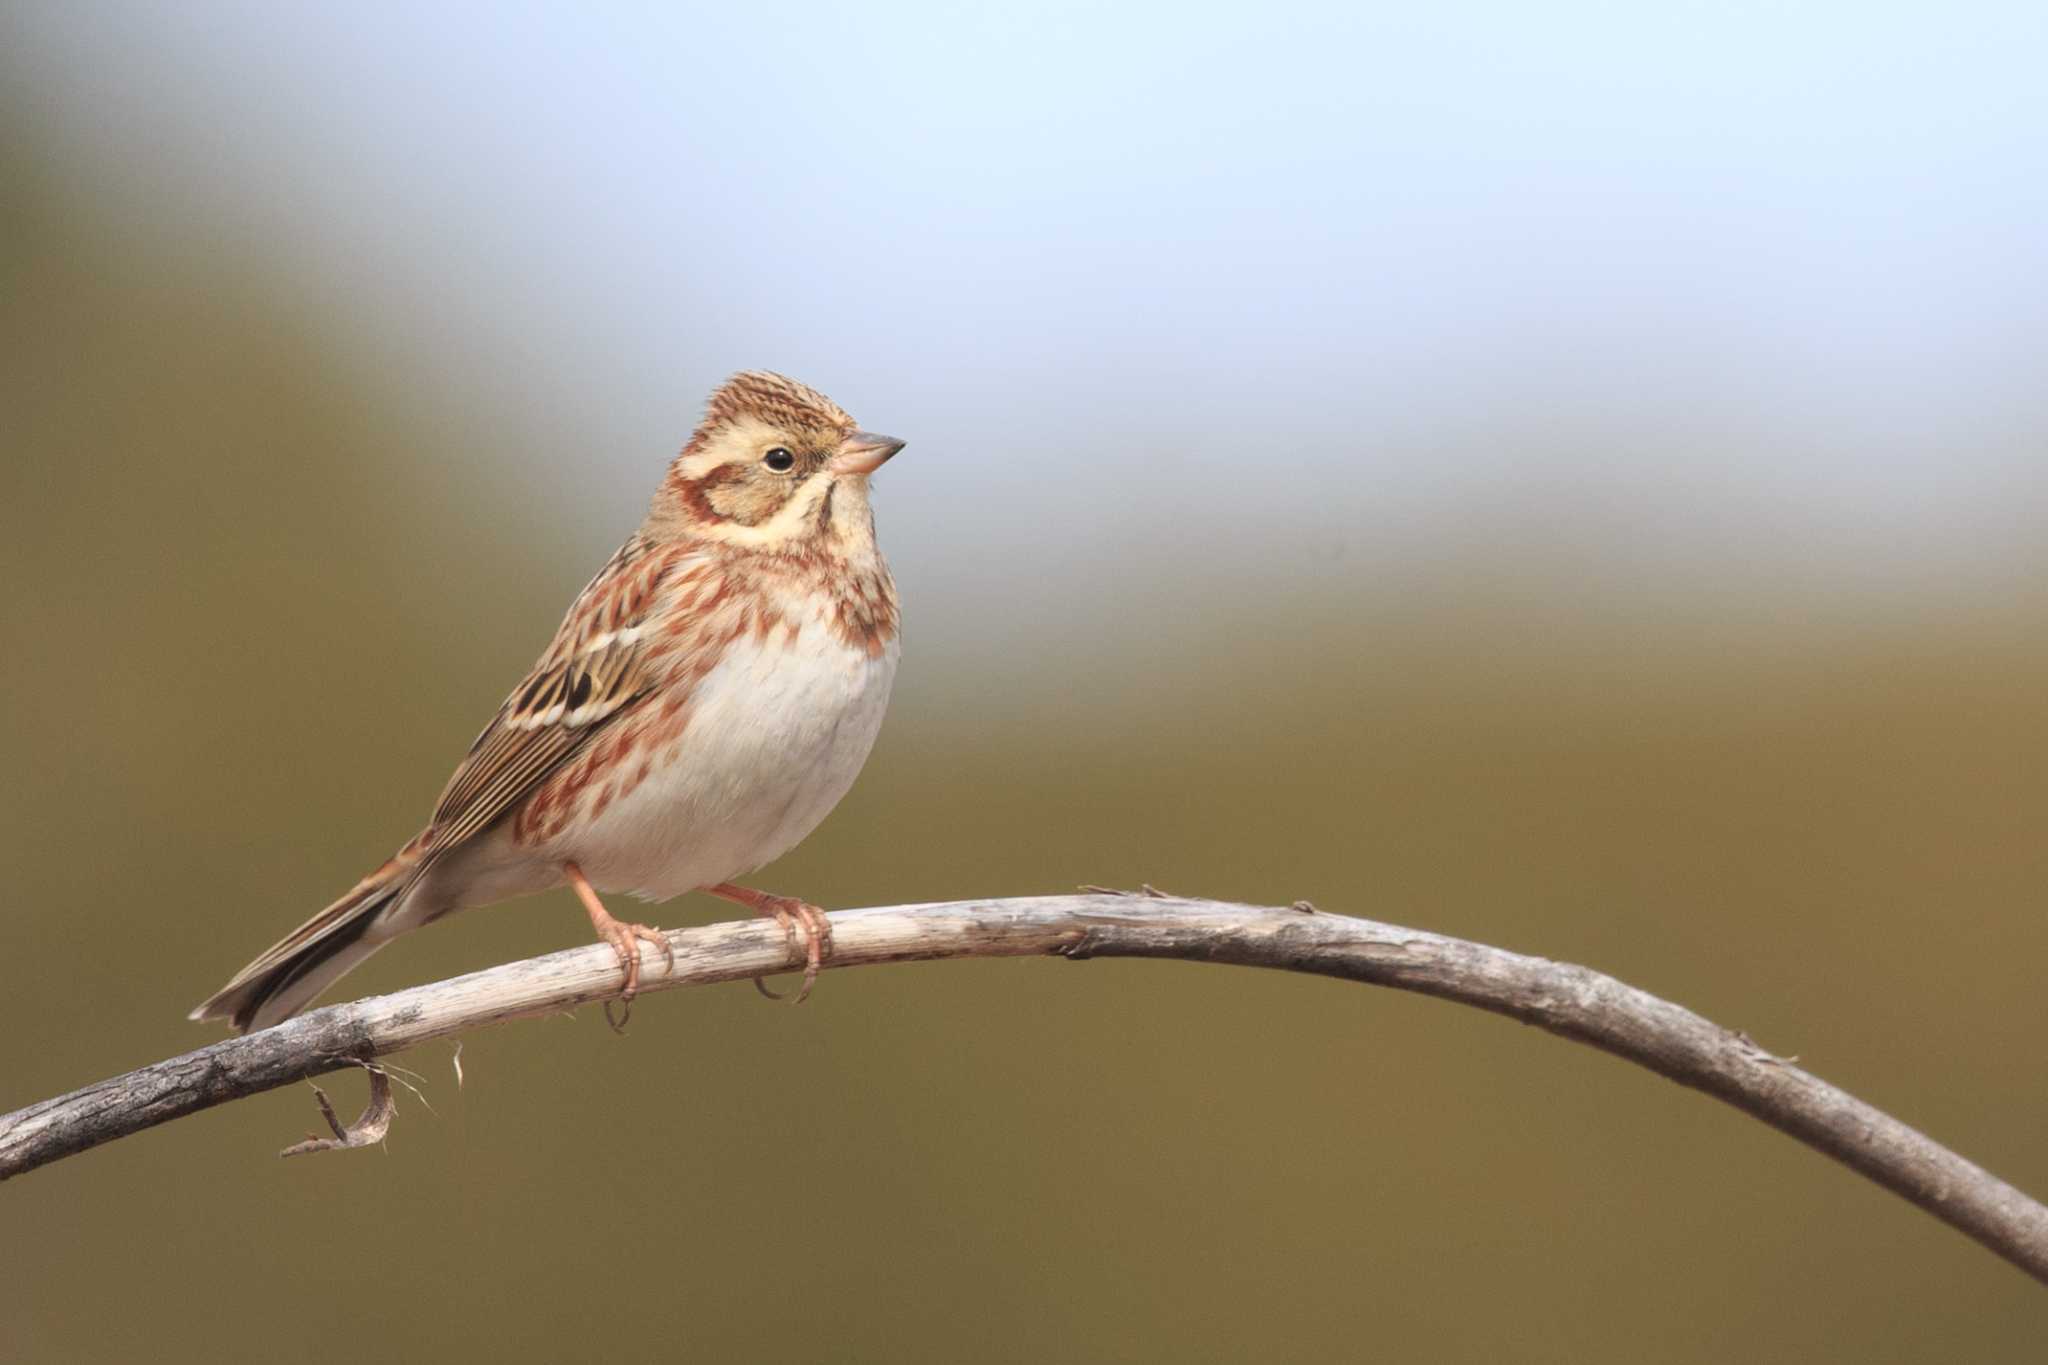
<point x="625" y="938"/>
<point x="788" y="912"/>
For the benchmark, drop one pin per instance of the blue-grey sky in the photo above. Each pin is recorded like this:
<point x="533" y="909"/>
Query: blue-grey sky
<point x="1729" y="284"/>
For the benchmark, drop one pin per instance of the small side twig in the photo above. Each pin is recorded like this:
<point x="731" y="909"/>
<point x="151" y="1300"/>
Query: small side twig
<point x="369" y="1127"/>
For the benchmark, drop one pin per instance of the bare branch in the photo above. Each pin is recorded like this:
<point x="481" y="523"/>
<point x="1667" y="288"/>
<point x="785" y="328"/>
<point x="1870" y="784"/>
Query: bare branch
<point x="1570" y="1001"/>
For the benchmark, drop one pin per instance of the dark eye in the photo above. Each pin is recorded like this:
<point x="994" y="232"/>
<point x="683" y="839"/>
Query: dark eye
<point x="779" y="459"/>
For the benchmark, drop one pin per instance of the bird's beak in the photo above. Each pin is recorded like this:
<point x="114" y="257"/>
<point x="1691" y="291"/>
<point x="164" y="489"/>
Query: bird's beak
<point x="863" y="453"/>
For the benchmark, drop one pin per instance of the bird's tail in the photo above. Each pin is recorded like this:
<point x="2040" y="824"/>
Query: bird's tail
<point x="292" y="972"/>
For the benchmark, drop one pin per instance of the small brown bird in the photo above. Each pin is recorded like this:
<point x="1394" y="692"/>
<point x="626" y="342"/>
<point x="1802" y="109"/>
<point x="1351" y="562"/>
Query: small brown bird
<point x="706" y="702"/>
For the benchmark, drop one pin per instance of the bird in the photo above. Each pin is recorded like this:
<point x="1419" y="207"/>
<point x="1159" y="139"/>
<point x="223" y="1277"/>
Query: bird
<point x="707" y="700"/>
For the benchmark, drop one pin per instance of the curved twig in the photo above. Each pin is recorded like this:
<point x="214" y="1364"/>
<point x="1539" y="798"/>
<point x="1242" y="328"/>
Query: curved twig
<point x="1570" y="1001"/>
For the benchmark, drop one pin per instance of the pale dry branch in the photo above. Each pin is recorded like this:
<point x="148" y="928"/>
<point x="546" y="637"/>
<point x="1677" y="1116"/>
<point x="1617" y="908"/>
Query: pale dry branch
<point x="1570" y="1001"/>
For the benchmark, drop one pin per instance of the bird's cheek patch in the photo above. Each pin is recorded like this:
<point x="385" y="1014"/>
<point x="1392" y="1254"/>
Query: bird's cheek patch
<point x="734" y="493"/>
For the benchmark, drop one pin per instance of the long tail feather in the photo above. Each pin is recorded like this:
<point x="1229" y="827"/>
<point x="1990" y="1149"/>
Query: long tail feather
<point x="292" y="972"/>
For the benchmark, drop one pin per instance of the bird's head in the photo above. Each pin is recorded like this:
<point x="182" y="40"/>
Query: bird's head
<point x="774" y="465"/>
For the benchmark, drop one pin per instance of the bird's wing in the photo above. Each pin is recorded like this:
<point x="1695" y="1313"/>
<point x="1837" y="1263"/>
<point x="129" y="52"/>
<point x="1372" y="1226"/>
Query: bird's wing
<point x="595" y="669"/>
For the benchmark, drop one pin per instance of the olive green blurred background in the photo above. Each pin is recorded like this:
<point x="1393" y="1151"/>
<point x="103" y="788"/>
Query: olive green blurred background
<point x="282" y="521"/>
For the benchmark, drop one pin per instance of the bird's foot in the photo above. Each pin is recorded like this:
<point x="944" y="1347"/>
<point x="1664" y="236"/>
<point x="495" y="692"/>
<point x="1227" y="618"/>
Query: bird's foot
<point x="625" y="938"/>
<point x="789" y="912"/>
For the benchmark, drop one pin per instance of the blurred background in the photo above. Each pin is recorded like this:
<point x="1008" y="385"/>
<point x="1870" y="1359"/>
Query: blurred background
<point x="1567" y="476"/>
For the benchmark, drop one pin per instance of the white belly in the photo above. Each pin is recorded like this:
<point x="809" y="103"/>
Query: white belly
<point x="777" y="733"/>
